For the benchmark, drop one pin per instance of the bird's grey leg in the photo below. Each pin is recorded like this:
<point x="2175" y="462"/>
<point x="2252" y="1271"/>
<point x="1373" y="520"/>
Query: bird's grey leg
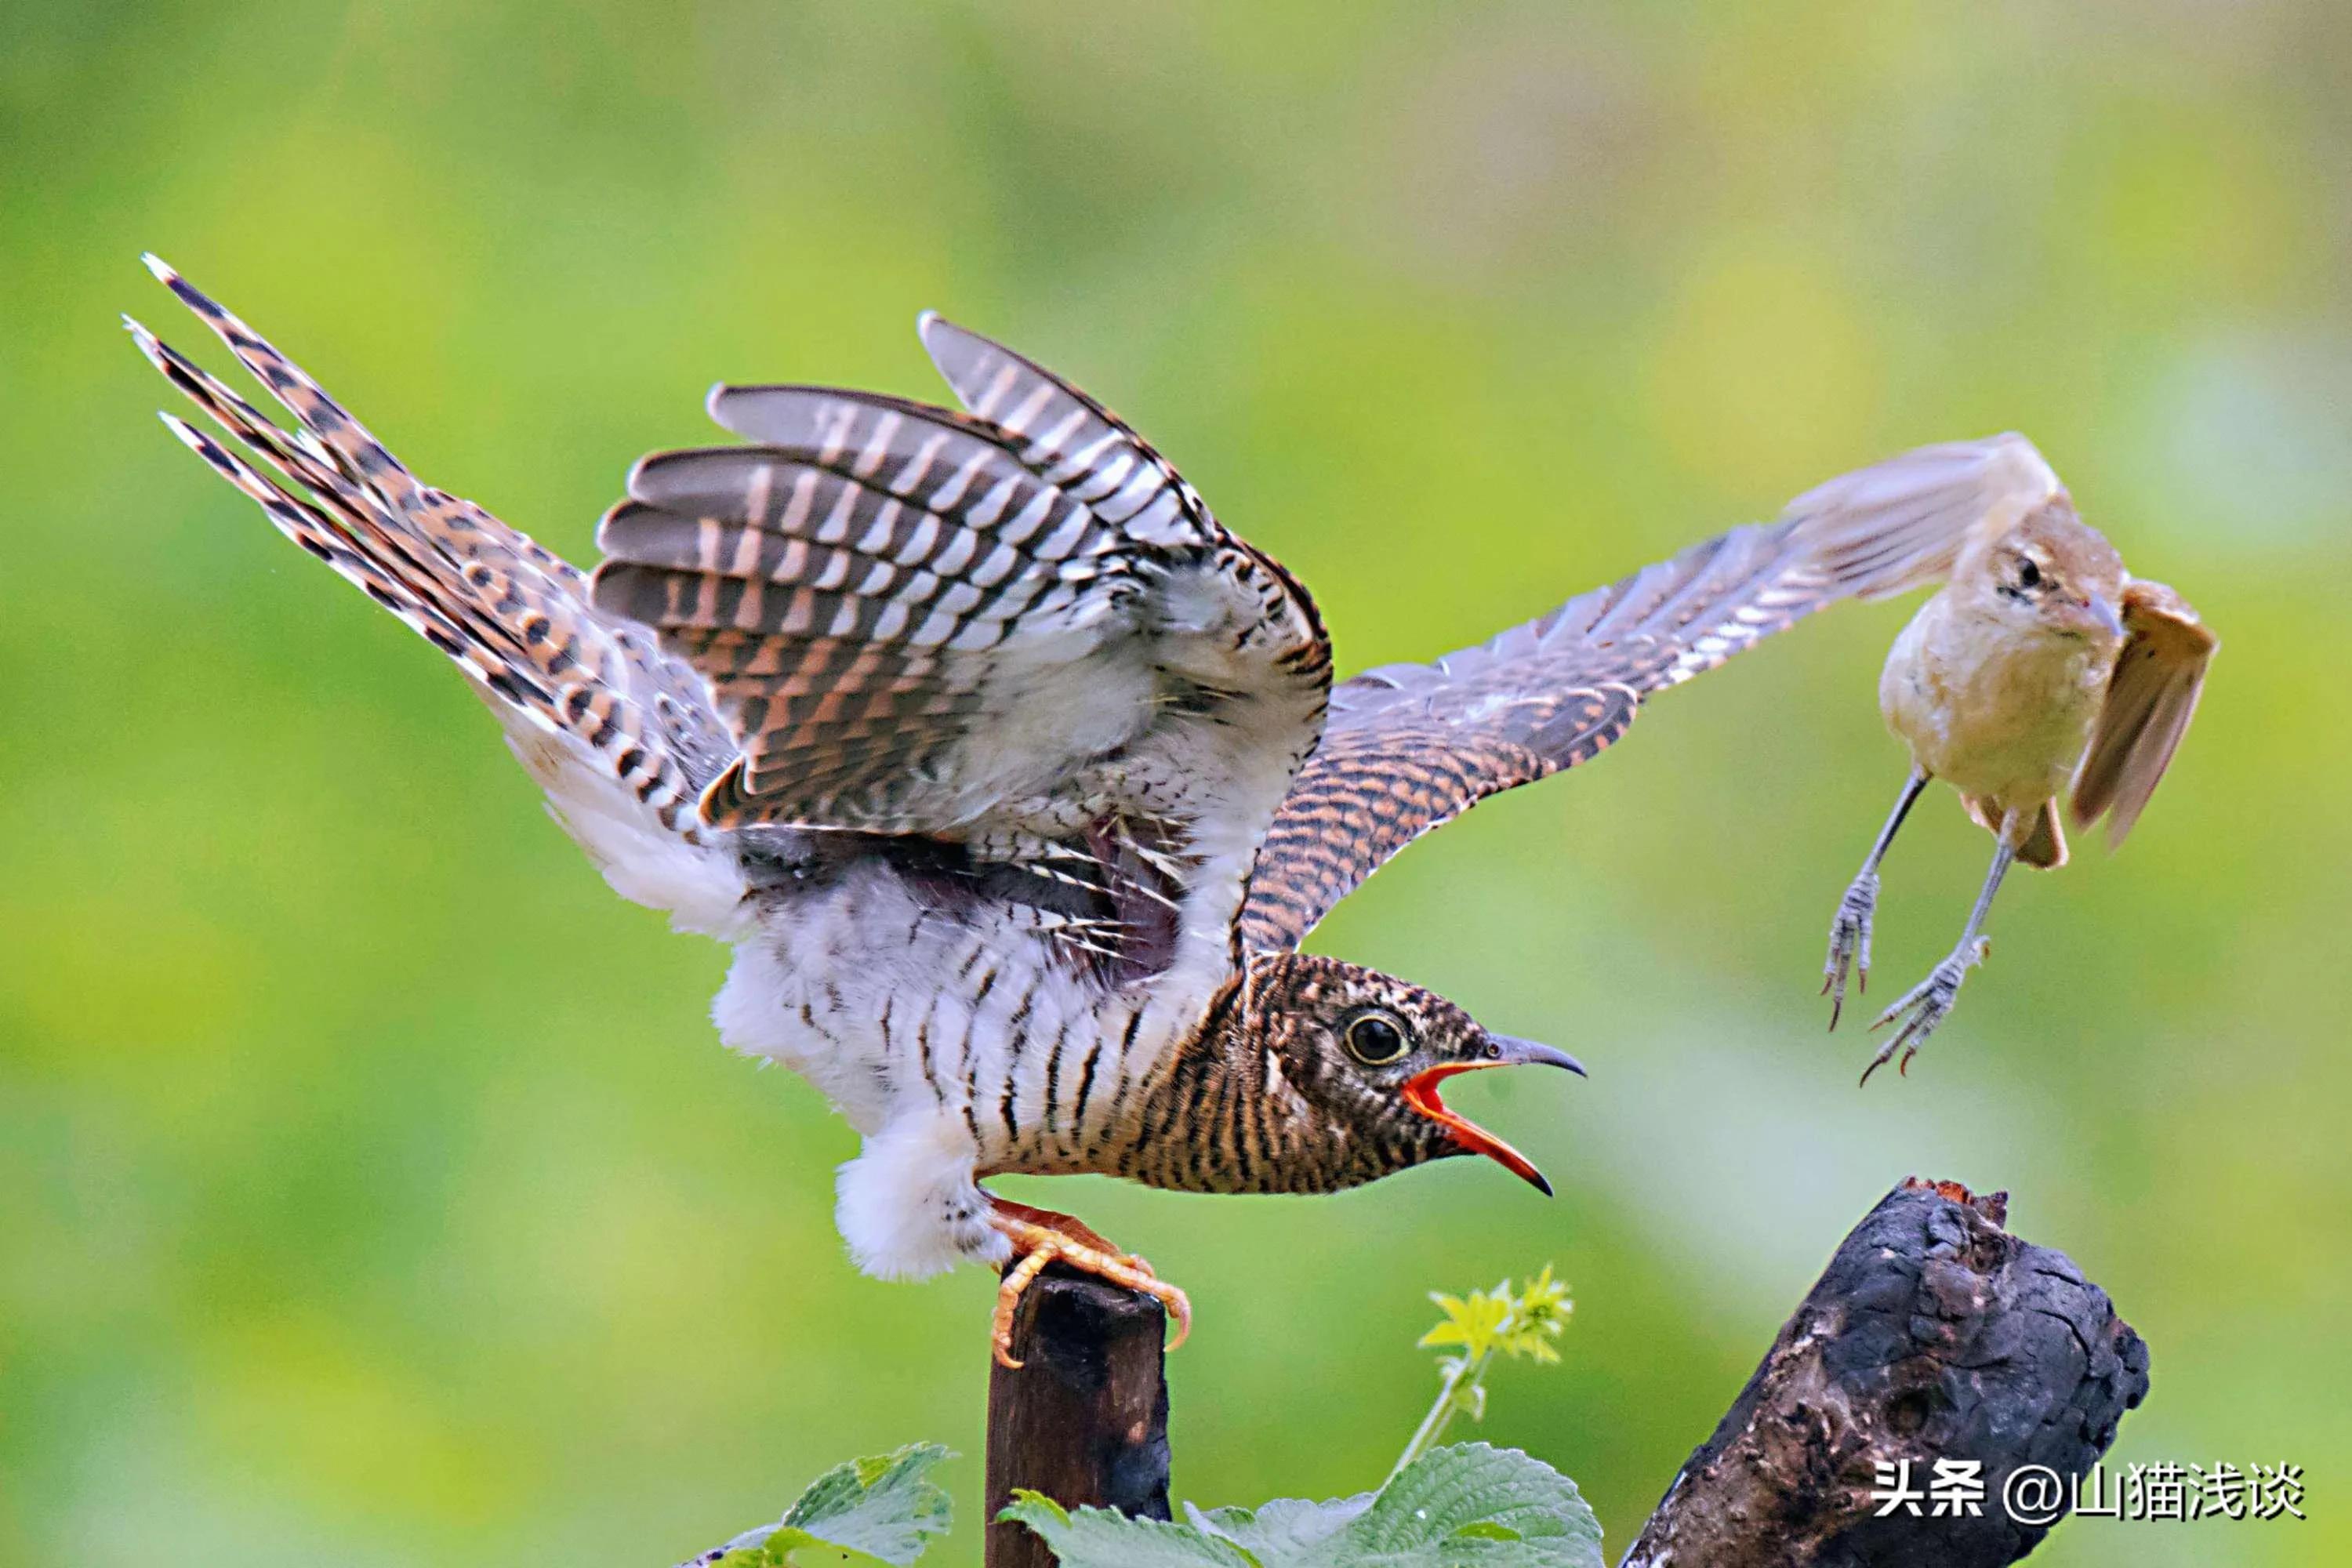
<point x="1930" y="1001"/>
<point x="1850" y="931"/>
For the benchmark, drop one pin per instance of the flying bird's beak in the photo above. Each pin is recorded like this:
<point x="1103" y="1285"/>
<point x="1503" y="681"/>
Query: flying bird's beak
<point x="2102" y="615"/>
<point x="1421" y="1093"/>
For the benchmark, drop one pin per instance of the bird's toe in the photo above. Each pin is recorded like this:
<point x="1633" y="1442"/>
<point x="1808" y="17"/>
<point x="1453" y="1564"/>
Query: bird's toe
<point x="1040" y="1237"/>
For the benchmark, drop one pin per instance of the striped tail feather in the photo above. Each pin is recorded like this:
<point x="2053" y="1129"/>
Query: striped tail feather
<point x="621" y="735"/>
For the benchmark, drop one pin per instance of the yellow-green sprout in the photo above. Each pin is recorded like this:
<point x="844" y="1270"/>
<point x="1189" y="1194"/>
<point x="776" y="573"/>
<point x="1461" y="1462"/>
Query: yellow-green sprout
<point x="1479" y="1326"/>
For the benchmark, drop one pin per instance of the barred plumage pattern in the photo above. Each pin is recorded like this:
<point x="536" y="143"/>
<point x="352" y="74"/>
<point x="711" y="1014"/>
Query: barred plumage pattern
<point x="973" y="731"/>
<point x="858" y="585"/>
<point x="512" y="615"/>
<point x="1409" y="747"/>
<point x="1260" y="1118"/>
<point x="1042" y="703"/>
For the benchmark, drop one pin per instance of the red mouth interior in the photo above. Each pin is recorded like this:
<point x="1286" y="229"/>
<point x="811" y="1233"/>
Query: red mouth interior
<point x="1421" y="1093"/>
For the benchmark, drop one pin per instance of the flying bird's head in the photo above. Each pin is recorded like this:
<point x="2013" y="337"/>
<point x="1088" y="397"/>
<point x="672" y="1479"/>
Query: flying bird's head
<point x="1364" y="1054"/>
<point x="2052" y="575"/>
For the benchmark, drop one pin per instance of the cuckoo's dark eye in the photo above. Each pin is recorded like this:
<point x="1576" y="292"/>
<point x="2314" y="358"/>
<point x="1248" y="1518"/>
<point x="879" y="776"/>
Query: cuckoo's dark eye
<point x="2029" y="575"/>
<point x="1375" y="1039"/>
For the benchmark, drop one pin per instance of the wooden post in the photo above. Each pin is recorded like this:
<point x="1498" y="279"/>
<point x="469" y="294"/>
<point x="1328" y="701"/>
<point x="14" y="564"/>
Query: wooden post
<point x="1086" y="1418"/>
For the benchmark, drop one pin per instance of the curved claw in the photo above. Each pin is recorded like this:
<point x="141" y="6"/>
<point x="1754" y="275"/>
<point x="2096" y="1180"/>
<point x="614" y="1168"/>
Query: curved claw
<point x="1929" y="1003"/>
<point x="1850" y="943"/>
<point x="1179" y="1306"/>
<point x="1040" y="1237"/>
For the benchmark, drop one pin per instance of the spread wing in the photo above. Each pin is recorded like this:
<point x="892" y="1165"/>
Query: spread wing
<point x="620" y="735"/>
<point x="1003" y="626"/>
<point x="2150" y="698"/>
<point x="1410" y="747"/>
<point x="1908" y="519"/>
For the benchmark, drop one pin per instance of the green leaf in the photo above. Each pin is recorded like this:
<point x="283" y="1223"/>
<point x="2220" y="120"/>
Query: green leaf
<point x="1104" y="1538"/>
<point x="1474" y="1504"/>
<point x="1470" y="1506"/>
<point x="875" y="1510"/>
<point x="1284" y="1530"/>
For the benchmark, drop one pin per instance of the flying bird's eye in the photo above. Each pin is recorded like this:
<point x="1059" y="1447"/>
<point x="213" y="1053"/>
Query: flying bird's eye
<point x="1375" y="1039"/>
<point x="2029" y="575"/>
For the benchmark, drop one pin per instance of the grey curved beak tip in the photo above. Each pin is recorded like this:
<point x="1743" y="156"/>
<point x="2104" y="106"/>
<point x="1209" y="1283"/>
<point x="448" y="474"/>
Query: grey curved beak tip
<point x="1518" y="1052"/>
<point x="1541" y="1184"/>
<point x="2106" y="615"/>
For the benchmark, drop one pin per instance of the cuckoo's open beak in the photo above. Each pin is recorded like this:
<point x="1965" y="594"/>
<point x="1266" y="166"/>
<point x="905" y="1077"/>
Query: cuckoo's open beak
<point x="1503" y="1051"/>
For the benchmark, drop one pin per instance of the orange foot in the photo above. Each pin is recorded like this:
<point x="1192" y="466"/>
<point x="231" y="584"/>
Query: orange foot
<point x="1040" y="1237"/>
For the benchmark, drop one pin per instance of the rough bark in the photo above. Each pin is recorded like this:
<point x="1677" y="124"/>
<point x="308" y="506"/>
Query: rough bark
<point x="1085" y="1420"/>
<point x="1934" y="1334"/>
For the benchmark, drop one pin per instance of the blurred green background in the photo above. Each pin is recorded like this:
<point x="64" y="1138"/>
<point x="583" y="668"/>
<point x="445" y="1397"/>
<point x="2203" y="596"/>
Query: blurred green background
<point x="372" y="1188"/>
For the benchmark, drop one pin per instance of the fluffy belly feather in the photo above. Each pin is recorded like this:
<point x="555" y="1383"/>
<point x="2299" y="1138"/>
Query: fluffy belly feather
<point x="896" y="1008"/>
<point x="1998" y="719"/>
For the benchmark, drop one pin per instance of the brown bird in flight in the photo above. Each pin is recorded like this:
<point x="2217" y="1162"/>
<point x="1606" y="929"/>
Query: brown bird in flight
<point x="1012" y="776"/>
<point x="2040" y="660"/>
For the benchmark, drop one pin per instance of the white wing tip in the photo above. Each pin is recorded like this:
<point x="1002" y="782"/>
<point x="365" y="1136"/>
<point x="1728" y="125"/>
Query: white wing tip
<point x="162" y="270"/>
<point x="938" y="332"/>
<point x="935" y="332"/>
<point x="634" y="479"/>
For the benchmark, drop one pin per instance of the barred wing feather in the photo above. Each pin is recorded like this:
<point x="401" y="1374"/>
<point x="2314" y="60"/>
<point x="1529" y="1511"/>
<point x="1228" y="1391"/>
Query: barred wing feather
<point x="1409" y="747"/>
<point x="920" y="621"/>
<point x="621" y="735"/>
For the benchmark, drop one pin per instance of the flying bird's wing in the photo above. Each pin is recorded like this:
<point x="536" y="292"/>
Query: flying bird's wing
<point x="1918" y="510"/>
<point x="2150" y="698"/>
<point x="1410" y="747"/>
<point x="997" y="625"/>
<point x="620" y="735"/>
